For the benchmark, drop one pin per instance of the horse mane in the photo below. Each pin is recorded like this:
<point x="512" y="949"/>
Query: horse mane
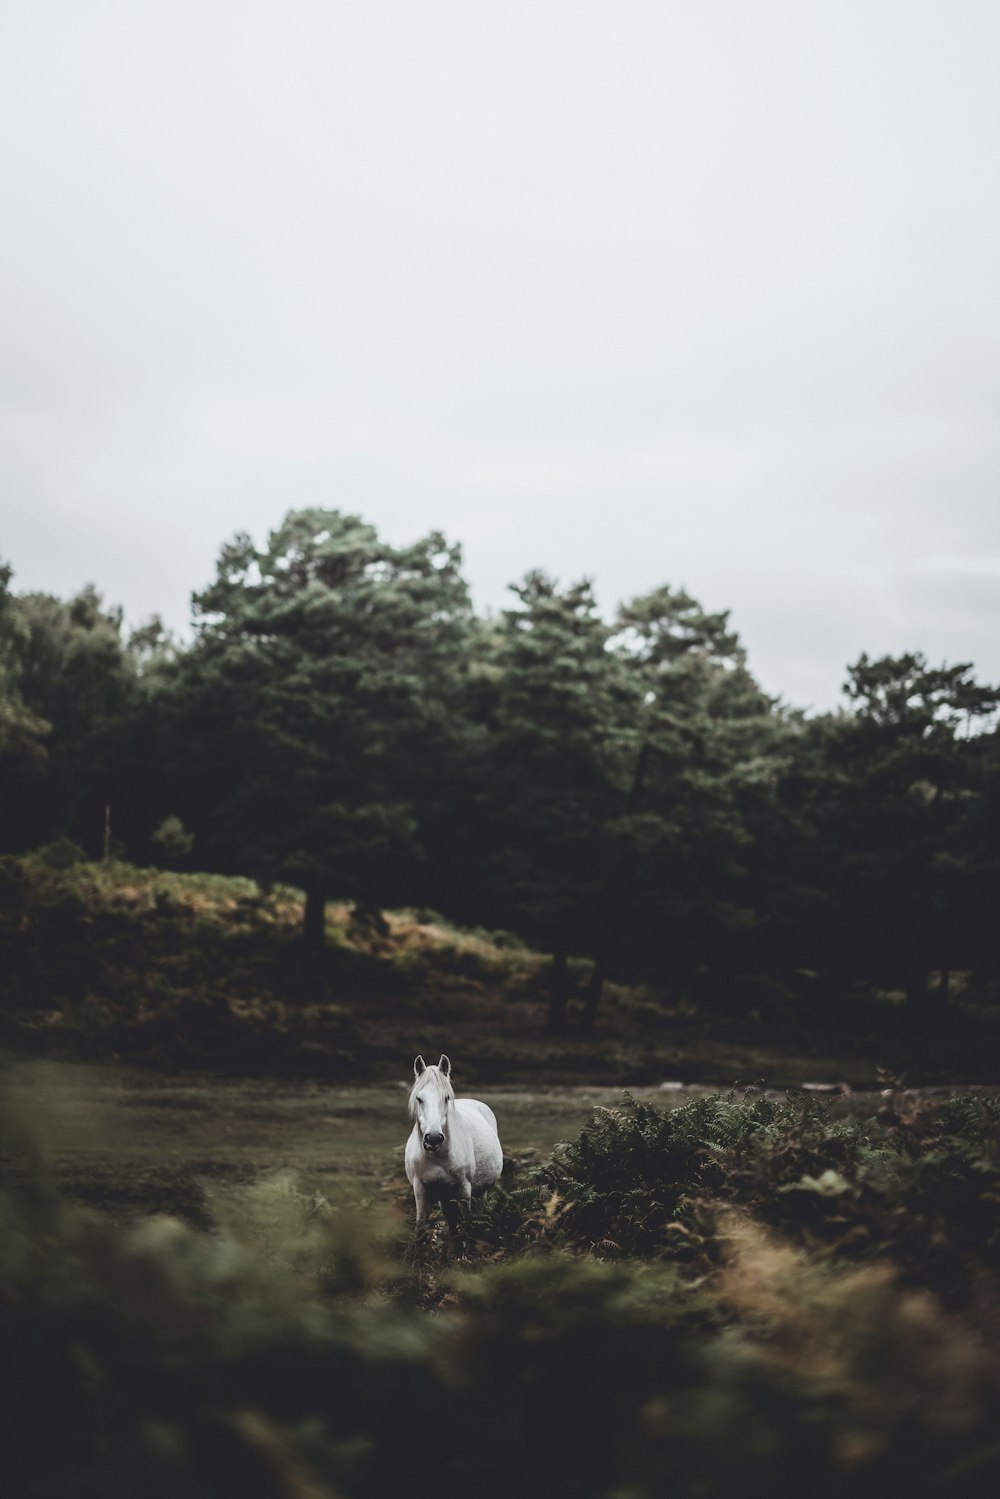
<point x="430" y="1077"/>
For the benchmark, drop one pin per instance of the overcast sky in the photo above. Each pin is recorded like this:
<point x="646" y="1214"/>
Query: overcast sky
<point x="700" y="292"/>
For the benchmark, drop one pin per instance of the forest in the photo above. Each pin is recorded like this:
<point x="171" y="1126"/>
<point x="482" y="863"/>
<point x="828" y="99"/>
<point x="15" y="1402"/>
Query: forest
<point x="615" y="792"/>
<point x="244" y="876"/>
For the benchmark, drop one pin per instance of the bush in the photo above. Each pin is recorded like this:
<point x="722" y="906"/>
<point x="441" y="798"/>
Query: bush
<point x="172" y="841"/>
<point x="921" y="1187"/>
<point x="281" y="1354"/>
<point x="62" y="853"/>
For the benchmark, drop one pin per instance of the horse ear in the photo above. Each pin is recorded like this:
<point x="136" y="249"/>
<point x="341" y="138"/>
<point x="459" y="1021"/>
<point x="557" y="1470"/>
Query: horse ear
<point x="445" y="1065"/>
<point x="419" y="1066"/>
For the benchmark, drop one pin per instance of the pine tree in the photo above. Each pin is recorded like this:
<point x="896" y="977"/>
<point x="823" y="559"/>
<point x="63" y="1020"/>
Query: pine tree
<point x="557" y="749"/>
<point x="704" y="760"/>
<point x="900" y="817"/>
<point x="76" y="676"/>
<point x="313" y="705"/>
<point x="22" y="731"/>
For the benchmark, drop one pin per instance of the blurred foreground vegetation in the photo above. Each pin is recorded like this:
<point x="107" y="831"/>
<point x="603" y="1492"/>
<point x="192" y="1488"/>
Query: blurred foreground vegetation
<point x="739" y="1295"/>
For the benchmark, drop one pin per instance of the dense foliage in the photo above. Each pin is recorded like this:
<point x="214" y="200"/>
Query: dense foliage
<point x="920" y="1186"/>
<point x="173" y="969"/>
<point x="316" y="1358"/>
<point x="618" y="790"/>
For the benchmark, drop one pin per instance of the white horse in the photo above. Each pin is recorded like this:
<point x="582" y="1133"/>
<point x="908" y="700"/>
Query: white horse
<point x="453" y="1149"/>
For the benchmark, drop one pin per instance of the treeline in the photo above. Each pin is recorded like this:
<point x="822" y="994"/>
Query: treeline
<point x="617" y="790"/>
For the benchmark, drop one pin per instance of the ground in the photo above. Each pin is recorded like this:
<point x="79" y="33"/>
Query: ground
<point x="129" y="1143"/>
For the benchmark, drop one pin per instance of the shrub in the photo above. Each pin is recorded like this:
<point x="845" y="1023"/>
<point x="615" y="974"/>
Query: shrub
<point x="61" y="853"/>
<point x="921" y="1189"/>
<point x="172" y="841"/>
<point x="269" y="1357"/>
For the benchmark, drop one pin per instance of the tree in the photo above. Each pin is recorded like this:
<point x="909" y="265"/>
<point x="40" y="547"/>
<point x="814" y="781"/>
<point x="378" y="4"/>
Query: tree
<point x="22" y="731"/>
<point x="705" y="748"/>
<point x="914" y="759"/>
<point x="76" y="677"/>
<point x="313" y="704"/>
<point x="898" y="814"/>
<point x="556" y="751"/>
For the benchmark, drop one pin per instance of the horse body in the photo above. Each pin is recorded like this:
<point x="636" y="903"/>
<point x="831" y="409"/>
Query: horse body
<point x="453" y="1148"/>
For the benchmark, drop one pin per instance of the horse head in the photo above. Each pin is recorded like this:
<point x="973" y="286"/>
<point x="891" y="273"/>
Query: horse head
<point x="431" y="1099"/>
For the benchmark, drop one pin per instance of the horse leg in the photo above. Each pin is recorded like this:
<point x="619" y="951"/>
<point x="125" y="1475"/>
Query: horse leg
<point x="421" y="1227"/>
<point x="452" y="1216"/>
<point x="456" y="1212"/>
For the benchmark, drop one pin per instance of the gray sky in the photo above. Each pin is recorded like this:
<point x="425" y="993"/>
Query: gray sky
<point x="705" y="293"/>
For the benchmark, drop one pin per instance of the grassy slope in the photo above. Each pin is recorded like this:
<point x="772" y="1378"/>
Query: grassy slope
<point x="199" y="971"/>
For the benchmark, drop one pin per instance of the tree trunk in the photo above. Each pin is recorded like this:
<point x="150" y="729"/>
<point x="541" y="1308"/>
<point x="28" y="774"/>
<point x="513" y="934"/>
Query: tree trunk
<point x="314" y="923"/>
<point x="558" y="991"/>
<point x="595" y="988"/>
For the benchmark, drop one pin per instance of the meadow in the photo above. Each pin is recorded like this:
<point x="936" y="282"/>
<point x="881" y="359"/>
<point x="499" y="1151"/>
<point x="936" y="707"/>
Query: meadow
<point x="129" y="1143"/>
<point x="209" y="1287"/>
<point x="210" y="1284"/>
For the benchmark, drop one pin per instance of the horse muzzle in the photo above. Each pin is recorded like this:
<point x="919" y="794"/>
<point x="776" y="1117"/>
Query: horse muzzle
<point x="433" y="1140"/>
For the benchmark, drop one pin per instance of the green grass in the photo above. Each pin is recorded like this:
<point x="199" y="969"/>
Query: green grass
<point x="129" y="1143"/>
<point x="295" y="1346"/>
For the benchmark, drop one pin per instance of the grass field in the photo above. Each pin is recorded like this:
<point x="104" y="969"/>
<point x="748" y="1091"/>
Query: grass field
<point x="209" y="1281"/>
<point x="129" y="1143"/>
<point x="713" y="1294"/>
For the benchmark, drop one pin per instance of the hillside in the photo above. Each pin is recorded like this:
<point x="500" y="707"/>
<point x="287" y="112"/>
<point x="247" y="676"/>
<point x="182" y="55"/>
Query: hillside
<point x="197" y="971"/>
